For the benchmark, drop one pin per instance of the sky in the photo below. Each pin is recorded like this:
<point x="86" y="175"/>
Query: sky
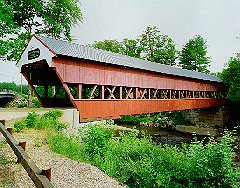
<point x="217" y="21"/>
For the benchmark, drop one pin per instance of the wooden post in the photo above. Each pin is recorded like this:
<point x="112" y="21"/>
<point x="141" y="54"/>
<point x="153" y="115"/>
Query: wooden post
<point x="2" y="121"/>
<point x="120" y="92"/>
<point x="30" y="104"/>
<point x="23" y="145"/>
<point x="47" y="173"/>
<point x="53" y="91"/>
<point x="135" y="93"/>
<point x="79" y="91"/>
<point x="10" y="130"/>
<point x="149" y="93"/>
<point x="102" y="92"/>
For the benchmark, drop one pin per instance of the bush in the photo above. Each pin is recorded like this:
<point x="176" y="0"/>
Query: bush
<point x="138" y="162"/>
<point x="47" y="120"/>
<point x="19" y="126"/>
<point x="96" y="137"/>
<point x="31" y="119"/>
<point x="131" y="160"/>
<point x="36" y="102"/>
<point x="135" y="119"/>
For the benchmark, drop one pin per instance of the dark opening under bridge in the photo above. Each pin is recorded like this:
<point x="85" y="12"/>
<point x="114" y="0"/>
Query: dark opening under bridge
<point x="6" y="96"/>
<point x="104" y="85"/>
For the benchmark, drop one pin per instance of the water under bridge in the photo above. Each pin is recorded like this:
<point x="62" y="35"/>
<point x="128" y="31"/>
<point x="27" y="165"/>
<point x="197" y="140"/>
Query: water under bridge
<point x="103" y="85"/>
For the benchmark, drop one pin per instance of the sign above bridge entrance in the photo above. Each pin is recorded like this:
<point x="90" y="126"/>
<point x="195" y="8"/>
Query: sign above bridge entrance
<point x="34" y="52"/>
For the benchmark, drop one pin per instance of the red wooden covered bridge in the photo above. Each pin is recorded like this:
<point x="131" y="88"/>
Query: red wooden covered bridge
<point x="102" y="84"/>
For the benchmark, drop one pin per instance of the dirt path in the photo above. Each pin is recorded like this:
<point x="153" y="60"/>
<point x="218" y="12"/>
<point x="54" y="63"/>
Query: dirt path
<point x="65" y="172"/>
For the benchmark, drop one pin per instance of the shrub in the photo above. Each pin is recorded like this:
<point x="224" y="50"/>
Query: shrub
<point x="19" y="126"/>
<point x="55" y="114"/>
<point x="131" y="160"/>
<point x="96" y="137"/>
<point x="31" y="119"/>
<point x="138" y="162"/>
<point x="47" y="120"/>
<point x="36" y="102"/>
<point x="137" y="119"/>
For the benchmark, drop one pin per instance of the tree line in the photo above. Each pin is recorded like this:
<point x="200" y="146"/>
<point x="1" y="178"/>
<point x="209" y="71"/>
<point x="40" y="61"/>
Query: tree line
<point x="153" y="46"/>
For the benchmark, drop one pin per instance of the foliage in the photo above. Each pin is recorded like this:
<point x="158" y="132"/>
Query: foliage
<point x="96" y="137"/>
<point x="13" y="87"/>
<point x="36" y="102"/>
<point x="151" y="46"/>
<point x="47" y="120"/>
<point x="157" y="47"/>
<point x="9" y="86"/>
<point x="108" y="45"/>
<point x="231" y="78"/>
<point x="19" y="126"/>
<point x="31" y="119"/>
<point x="138" y="162"/>
<point x="132" y="47"/>
<point x="19" y="19"/>
<point x="164" y="119"/>
<point x="69" y="147"/>
<point x="194" y="55"/>
<point x="61" y="93"/>
<point x="134" y="119"/>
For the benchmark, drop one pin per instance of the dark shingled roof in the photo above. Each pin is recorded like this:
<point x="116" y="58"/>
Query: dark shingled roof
<point x="65" y="48"/>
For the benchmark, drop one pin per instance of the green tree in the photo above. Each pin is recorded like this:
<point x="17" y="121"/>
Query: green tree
<point x="9" y="86"/>
<point x="19" y="19"/>
<point x="108" y="45"/>
<point x="231" y="78"/>
<point x="151" y="46"/>
<point x="131" y="47"/>
<point x="194" y="55"/>
<point x="157" y="47"/>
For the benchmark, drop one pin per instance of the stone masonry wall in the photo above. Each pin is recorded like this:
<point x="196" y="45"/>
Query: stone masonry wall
<point x="214" y="117"/>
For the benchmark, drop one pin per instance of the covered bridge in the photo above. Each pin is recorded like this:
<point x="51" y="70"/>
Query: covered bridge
<point x="102" y="84"/>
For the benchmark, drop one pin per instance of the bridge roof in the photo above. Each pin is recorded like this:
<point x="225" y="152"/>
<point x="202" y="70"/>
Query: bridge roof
<point x="65" y="48"/>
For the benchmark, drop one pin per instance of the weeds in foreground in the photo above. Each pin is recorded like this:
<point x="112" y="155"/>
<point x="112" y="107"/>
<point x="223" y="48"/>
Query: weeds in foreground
<point x="47" y="120"/>
<point x="138" y="162"/>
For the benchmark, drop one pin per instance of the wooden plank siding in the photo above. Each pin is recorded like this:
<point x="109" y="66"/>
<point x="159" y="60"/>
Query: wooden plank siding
<point x="84" y="71"/>
<point x="100" y="109"/>
<point x="79" y="71"/>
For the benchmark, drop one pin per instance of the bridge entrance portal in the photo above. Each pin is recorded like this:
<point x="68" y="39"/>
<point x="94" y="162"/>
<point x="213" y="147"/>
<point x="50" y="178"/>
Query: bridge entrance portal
<point x="46" y="84"/>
